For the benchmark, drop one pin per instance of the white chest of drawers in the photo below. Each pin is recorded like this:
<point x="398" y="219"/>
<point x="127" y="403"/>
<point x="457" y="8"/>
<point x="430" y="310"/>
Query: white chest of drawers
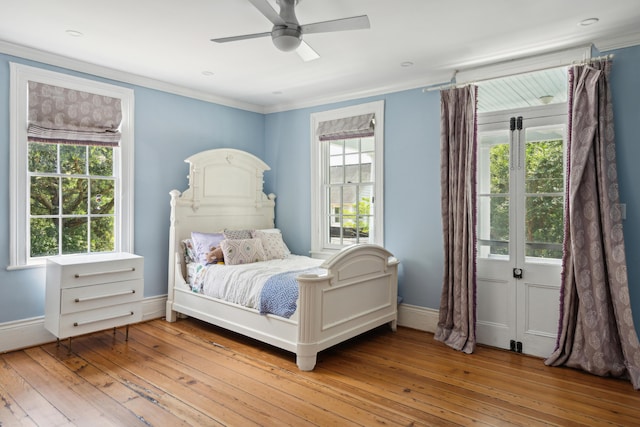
<point x="91" y="293"/>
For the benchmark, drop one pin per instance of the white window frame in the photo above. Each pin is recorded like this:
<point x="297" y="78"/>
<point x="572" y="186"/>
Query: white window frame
<point x="319" y="161"/>
<point x="18" y="179"/>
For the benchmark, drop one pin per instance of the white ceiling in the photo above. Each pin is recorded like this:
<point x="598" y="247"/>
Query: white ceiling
<point x="166" y="43"/>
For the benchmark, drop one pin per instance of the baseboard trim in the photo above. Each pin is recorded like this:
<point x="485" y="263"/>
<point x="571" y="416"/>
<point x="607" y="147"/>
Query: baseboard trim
<point x="416" y="317"/>
<point x="31" y="332"/>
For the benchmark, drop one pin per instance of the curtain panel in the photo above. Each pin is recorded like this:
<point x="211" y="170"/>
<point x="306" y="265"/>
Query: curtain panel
<point x="596" y="331"/>
<point x="66" y="116"/>
<point x="458" y="151"/>
<point x="348" y="127"/>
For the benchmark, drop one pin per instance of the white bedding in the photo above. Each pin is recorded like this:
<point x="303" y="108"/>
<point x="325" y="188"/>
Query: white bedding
<point x="242" y="284"/>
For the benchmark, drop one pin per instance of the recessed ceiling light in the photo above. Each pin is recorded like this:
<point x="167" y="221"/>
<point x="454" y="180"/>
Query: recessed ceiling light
<point x="207" y="73"/>
<point x="406" y="64"/>
<point x="74" y="33"/>
<point x="588" y="21"/>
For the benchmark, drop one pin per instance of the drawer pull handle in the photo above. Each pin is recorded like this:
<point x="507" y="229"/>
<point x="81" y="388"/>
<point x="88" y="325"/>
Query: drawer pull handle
<point x="100" y="273"/>
<point x="115" y="294"/>
<point x="87" y="322"/>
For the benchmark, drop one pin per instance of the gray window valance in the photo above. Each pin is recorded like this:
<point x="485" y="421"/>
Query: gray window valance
<point x="66" y="116"/>
<point x="348" y="127"/>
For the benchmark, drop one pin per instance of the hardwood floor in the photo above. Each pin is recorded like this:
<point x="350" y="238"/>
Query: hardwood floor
<point x="190" y="373"/>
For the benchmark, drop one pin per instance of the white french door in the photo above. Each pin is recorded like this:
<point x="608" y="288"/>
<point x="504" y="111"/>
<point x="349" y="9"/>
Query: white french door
<point x="521" y="181"/>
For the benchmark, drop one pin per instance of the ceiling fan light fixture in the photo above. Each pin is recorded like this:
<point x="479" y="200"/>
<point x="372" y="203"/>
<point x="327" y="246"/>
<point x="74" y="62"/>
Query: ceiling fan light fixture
<point x="286" y="39"/>
<point x="546" y="99"/>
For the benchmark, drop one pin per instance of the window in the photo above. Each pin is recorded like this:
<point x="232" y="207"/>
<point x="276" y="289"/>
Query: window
<point x="347" y="177"/>
<point x="70" y="194"/>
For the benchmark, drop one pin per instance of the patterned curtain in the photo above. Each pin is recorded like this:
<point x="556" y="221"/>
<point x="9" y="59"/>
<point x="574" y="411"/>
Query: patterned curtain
<point x="65" y="116"/>
<point x="458" y="146"/>
<point x="596" y="331"/>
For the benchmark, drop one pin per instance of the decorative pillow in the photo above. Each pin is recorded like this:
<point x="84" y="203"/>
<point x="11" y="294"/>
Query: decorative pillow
<point x="204" y="242"/>
<point x="276" y="231"/>
<point x="189" y="251"/>
<point x="242" y="251"/>
<point x="237" y="234"/>
<point x="274" y="247"/>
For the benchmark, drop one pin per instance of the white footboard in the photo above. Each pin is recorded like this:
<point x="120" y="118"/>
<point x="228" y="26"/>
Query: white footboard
<point x="359" y="293"/>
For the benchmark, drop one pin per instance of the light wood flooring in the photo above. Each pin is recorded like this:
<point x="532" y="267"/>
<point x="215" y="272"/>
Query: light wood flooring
<point x="190" y="373"/>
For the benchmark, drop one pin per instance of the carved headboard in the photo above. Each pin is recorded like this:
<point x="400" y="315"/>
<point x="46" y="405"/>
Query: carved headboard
<point x="225" y="192"/>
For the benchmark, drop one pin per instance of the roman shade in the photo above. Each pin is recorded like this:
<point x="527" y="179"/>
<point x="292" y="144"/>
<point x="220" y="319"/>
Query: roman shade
<point x="61" y="115"/>
<point x="348" y="127"/>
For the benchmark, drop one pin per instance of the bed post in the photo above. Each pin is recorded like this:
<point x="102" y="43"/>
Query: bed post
<point x="309" y="321"/>
<point x="170" y="314"/>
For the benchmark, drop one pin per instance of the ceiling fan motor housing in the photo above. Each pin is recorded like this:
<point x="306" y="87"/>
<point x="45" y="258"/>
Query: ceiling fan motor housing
<point x="286" y="38"/>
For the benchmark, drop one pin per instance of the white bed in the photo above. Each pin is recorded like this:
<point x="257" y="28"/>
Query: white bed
<point x="358" y="293"/>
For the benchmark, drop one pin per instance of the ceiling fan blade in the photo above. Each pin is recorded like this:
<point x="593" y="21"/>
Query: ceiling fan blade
<point x="306" y="52"/>
<point x="244" y="37"/>
<point x="265" y="8"/>
<point x="344" y="24"/>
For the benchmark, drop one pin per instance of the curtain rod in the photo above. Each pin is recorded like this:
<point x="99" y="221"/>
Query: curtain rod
<point x="452" y="85"/>
<point x="590" y="60"/>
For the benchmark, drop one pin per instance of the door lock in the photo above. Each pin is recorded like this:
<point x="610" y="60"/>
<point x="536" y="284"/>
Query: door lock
<point x="517" y="273"/>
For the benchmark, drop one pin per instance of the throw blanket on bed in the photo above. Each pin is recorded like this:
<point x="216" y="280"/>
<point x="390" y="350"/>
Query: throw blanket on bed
<point x="280" y="293"/>
<point x="242" y="284"/>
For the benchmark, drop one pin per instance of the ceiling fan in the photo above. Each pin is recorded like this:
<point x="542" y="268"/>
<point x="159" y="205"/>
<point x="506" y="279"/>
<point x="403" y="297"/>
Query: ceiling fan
<point x="286" y="33"/>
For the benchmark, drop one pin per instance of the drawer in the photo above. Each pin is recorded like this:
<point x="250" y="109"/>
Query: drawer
<point x="101" y="271"/>
<point x="95" y="296"/>
<point x="85" y="322"/>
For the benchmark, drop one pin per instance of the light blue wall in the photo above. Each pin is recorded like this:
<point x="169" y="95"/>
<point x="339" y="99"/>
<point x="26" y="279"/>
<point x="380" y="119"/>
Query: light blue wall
<point x="168" y="129"/>
<point x="625" y="87"/>
<point x="413" y="229"/>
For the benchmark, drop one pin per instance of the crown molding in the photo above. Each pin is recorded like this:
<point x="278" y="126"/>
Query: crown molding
<point x="120" y="76"/>
<point x="618" y="42"/>
<point x="428" y="80"/>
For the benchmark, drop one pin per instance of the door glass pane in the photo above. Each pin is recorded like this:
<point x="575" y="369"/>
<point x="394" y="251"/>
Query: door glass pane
<point x="544" y="192"/>
<point x="493" y="193"/>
